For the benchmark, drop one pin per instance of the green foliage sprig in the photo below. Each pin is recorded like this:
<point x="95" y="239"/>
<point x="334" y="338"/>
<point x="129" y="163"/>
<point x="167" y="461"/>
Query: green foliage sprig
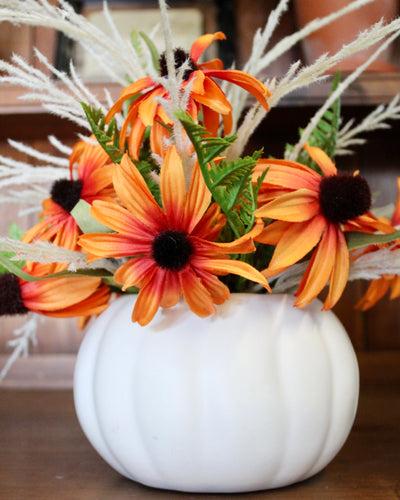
<point x="230" y="183"/>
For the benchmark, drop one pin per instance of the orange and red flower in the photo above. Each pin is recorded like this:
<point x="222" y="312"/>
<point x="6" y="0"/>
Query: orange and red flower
<point x="378" y="288"/>
<point x="312" y="211"/>
<point x="172" y="251"/>
<point x="206" y="101"/>
<point x="93" y="182"/>
<point x="60" y="297"/>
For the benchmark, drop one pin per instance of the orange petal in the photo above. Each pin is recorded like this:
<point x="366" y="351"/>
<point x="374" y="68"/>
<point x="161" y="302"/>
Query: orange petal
<point x="158" y="139"/>
<point x="213" y="97"/>
<point x="319" y="270"/>
<point x="340" y="271"/>
<point x="148" y="106"/>
<point x="120" y="219"/>
<point x="321" y="159"/>
<point x="195" y="293"/>
<point x="135" y="138"/>
<point x="128" y="92"/>
<point x="296" y="242"/>
<point x="197" y="200"/>
<point x="135" y="272"/>
<point x="298" y="206"/>
<point x="272" y="233"/>
<point x="228" y="266"/>
<point x="149" y="298"/>
<point x="375" y="291"/>
<point x="219" y="291"/>
<point x="173" y="187"/>
<point x="202" y="43"/>
<point x="57" y="293"/>
<point x="286" y="174"/>
<point x="113" y="245"/>
<point x="245" y="81"/>
<point x="172" y="290"/>
<point x="212" y="64"/>
<point x="136" y="196"/>
<point x="211" y="120"/>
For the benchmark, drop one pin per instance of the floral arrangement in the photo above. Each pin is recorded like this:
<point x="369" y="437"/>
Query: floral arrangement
<point x="158" y="198"/>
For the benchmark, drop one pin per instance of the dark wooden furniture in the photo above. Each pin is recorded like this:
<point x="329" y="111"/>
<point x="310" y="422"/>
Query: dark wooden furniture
<point x="45" y="456"/>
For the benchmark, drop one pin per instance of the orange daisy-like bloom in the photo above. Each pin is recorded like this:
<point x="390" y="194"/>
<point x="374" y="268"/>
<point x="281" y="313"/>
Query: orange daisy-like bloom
<point x="312" y="211"/>
<point x="61" y="297"/>
<point x="378" y="288"/>
<point x="172" y="250"/>
<point x="93" y="182"/>
<point x="206" y="97"/>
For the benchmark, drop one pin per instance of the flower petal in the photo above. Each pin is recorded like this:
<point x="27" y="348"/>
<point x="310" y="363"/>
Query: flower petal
<point x="296" y="242"/>
<point x="121" y="220"/>
<point x="197" y="200"/>
<point x="195" y="293"/>
<point x="113" y="245"/>
<point x="298" y="206"/>
<point x="227" y="266"/>
<point x="340" y="271"/>
<point x="149" y="298"/>
<point x="321" y="159"/>
<point x="213" y="97"/>
<point x="202" y="43"/>
<point x="173" y="187"/>
<point x="243" y="80"/>
<point x="136" y="196"/>
<point x="319" y="270"/>
<point x="128" y="92"/>
<point x="135" y="272"/>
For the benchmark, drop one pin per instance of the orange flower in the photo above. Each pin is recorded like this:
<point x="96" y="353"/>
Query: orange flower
<point x="206" y="97"/>
<point x="61" y="297"/>
<point x="312" y="211"/>
<point x="94" y="182"/>
<point x="378" y="288"/>
<point x="172" y="251"/>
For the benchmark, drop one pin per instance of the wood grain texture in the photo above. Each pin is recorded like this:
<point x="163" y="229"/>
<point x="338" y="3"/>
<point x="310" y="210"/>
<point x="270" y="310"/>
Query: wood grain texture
<point x="44" y="455"/>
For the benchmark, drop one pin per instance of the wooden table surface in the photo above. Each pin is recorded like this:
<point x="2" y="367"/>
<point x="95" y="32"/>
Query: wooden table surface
<point x="44" y="454"/>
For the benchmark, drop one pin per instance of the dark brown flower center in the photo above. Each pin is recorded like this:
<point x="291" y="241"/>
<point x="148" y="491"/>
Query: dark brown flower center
<point x="66" y="193"/>
<point x="10" y="296"/>
<point x="180" y="57"/>
<point x="344" y="197"/>
<point x="172" y="249"/>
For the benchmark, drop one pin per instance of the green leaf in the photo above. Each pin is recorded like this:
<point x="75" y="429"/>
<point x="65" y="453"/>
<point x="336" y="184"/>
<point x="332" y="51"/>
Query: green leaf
<point x="16" y="233"/>
<point x="229" y="183"/>
<point x="12" y="267"/>
<point x="155" y="56"/>
<point x="357" y="239"/>
<point x="107" y="135"/>
<point x="324" y="135"/>
<point x="85" y="220"/>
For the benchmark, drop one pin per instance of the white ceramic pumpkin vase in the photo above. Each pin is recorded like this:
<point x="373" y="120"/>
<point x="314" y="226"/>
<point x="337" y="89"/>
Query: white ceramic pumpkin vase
<point x="260" y="396"/>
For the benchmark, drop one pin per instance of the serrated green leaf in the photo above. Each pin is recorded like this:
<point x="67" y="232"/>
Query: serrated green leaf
<point x="107" y="137"/>
<point x="357" y="239"/>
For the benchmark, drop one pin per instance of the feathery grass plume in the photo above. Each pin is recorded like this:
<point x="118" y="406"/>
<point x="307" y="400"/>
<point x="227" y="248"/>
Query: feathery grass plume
<point x="298" y="77"/>
<point x="377" y="119"/>
<point x="259" y="60"/>
<point x="24" y="336"/>
<point x="45" y="252"/>
<point x="63" y="101"/>
<point x="114" y="55"/>
<point x="178" y="98"/>
<point x="36" y="179"/>
<point x="337" y="93"/>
